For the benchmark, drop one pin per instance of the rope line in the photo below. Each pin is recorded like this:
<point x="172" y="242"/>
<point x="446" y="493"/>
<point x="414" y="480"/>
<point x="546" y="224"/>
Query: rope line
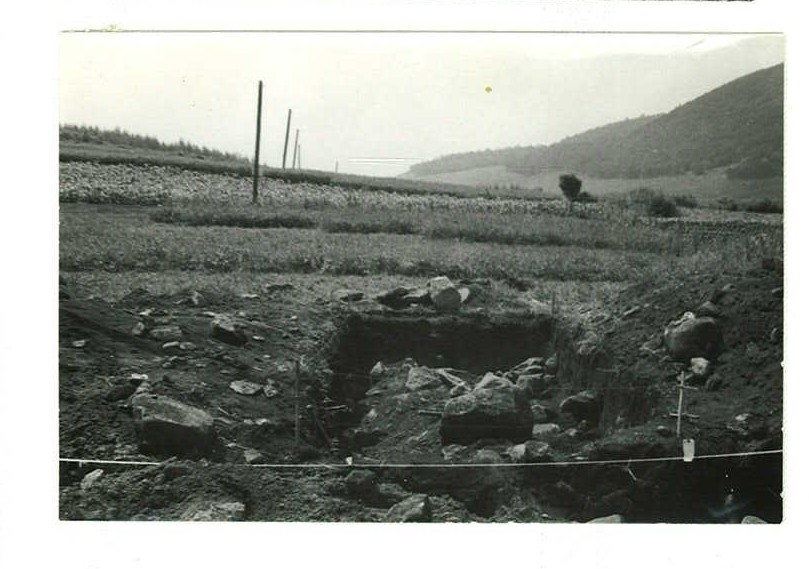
<point x="625" y="461"/>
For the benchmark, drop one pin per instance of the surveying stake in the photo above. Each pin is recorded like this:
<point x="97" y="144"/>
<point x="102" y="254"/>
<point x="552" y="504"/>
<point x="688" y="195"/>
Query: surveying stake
<point x="680" y="413"/>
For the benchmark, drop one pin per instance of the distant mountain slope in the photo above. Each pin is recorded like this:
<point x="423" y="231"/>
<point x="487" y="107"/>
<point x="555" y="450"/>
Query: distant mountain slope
<point x="738" y="126"/>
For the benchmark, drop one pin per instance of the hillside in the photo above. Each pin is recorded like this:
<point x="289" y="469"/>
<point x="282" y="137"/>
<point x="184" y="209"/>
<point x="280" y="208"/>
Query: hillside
<point x="738" y="126"/>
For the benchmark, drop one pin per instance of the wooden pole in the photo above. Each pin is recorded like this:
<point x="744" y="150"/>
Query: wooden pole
<point x="286" y="141"/>
<point x="295" y="149"/>
<point x="258" y="144"/>
<point x="299" y="157"/>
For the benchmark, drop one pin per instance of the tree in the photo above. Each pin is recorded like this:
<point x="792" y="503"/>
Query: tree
<point x="570" y="186"/>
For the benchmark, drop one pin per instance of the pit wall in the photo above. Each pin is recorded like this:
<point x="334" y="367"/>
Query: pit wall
<point x="584" y="364"/>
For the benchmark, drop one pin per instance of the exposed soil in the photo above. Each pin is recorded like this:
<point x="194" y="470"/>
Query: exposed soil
<point x="323" y="349"/>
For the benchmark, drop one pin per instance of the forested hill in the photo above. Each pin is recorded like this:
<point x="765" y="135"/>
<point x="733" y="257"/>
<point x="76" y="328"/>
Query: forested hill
<point x="738" y="126"/>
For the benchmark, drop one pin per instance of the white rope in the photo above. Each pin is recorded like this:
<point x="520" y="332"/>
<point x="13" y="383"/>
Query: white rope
<point x="624" y="461"/>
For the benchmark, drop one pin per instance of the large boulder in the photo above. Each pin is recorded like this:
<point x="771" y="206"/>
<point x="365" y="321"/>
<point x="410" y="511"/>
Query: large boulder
<point x="693" y="338"/>
<point x="444" y="295"/>
<point x="165" y="426"/>
<point x="499" y="413"/>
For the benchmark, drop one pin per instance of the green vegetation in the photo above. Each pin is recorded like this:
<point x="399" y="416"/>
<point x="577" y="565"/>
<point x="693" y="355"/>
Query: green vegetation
<point x="738" y="126"/>
<point x="123" y="238"/>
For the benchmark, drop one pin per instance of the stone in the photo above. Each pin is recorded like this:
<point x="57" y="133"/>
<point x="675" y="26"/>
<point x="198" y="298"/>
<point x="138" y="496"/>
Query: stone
<point x="534" y="383"/>
<point x="778" y="292"/>
<point x="693" y="337"/>
<point x="459" y="390"/>
<point x="171" y="347"/>
<point x="540" y="413"/>
<point x="585" y="405"/>
<point x="452" y="453"/>
<point x="443" y="294"/>
<point x="187" y="346"/>
<point x="537" y="452"/>
<point x="700" y="367"/>
<point x="252" y="456"/>
<point x="377" y="372"/>
<point x="201" y="511"/>
<point x="551" y="364"/>
<point x="752" y="520"/>
<point x="361" y="484"/>
<point x="486" y="456"/>
<point x="493" y="381"/>
<point x="465" y="293"/>
<point x="419" y="378"/>
<point x="533" y="362"/>
<point x="79" y="343"/>
<point x="502" y="413"/>
<point x="224" y="330"/>
<point x="166" y="426"/>
<point x="121" y="391"/>
<point x="416" y="508"/>
<point x="708" y="309"/>
<point x="138" y="329"/>
<point x="91" y="478"/>
<point x="451" y="377"/>
<point x="245" y="387"/>
<point x="545" y="430"/>
<point x="166" y="333"/>
<point x="347" y="295"/>
<point x="664" y="431"/>
<point x="613" y="519"/>
<point x="517" y="453"/>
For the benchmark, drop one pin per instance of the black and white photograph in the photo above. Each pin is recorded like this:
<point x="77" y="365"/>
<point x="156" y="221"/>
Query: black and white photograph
<point x="390" y="283"/>
<point x="413" y="277"/>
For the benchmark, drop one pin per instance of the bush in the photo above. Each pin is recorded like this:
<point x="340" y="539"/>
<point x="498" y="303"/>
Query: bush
<point x="653" y="203"/>
<point x="586" y="197"/>
<point x="764" y="206"/>
<point x="661" y="206"/>
<point x="688" y="201"/>
<point x="570" y="186"/>
<point x="728" y="204"/>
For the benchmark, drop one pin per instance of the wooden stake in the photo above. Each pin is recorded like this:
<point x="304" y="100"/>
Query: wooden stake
<point x="258" y="143"/>
<point x="299" y="157"/>
<point x="680" y="414"/>
<point x="286" y="141"/>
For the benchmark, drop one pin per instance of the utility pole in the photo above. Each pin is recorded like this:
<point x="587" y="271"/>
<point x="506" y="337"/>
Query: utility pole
<point x="299" y="157"/>
<point x="258" y="144"/>
<point x="286" y="141"/>
<point x="295" y="149"/>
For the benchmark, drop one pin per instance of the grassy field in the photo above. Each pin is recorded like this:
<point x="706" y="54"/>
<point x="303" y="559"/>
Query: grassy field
<point x="126" y="219"/>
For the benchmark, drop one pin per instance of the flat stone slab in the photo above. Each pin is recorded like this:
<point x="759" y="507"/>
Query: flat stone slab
<point x="166" y="426"/>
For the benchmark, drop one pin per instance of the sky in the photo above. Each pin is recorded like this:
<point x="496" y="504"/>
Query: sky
<point x="379" y="102"/>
